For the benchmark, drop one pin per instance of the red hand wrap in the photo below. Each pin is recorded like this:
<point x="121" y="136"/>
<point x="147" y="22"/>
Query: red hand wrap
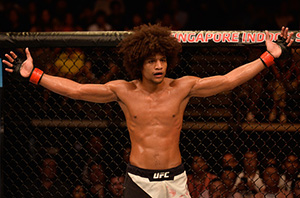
<point x="267" y="58"/>
<point x="36" y="76"/>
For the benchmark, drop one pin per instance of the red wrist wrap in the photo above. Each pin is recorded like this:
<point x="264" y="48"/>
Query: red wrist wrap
<point x="36" y="76"/>
<point x="267" y="59"/>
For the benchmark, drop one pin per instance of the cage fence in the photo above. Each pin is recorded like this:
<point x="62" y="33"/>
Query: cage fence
<point x="81" y="144"/>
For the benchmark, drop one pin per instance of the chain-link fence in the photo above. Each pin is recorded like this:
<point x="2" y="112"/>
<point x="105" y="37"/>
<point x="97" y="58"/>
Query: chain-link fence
<point x="57" y="147"/>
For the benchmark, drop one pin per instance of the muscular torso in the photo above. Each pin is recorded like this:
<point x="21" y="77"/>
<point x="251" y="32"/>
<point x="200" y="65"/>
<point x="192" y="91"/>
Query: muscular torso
<point x="154" y="122"/>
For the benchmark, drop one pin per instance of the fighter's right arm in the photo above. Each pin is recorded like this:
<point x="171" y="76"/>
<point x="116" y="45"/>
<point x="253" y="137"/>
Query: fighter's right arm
<point x="100" y="93"/>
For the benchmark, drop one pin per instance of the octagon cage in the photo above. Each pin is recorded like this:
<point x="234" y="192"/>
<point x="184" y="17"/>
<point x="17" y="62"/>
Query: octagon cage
<point x="81" y="146"/>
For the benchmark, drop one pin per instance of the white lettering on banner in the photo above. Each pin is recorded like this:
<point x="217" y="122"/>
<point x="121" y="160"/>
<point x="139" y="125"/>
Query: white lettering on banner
<point x="257" y="37"/>
<point x="192" y="37"/>
<point x="160" y="175"/>
<point x="227" y="37"/>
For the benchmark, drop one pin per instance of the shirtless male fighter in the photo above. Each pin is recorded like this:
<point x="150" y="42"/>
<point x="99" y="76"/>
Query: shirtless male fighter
<point x="152" y="103"/>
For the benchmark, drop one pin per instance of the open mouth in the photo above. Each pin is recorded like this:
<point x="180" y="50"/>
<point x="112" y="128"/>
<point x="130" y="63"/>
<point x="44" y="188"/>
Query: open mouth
<point x="158" y="74"/>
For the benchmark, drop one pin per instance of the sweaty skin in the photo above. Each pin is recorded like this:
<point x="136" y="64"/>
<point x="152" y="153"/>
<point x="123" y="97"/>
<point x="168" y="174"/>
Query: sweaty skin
<point x="154" y="105"/>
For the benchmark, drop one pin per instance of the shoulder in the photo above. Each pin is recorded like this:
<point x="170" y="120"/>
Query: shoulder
<point x="121" y="85"/>
<point x="187" y="78"/>
<point x="184" y="81"/>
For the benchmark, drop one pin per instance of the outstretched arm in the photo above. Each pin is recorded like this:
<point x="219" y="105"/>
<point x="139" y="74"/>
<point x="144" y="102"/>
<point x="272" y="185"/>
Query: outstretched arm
<point x="204" y="87"/>
<point x="100" y="93"/>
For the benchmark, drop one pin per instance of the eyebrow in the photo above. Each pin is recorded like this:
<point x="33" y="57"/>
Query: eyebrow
<point x="154" y="57"/>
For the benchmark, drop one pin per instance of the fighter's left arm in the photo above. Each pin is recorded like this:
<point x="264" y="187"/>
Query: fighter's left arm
<point x="209" y="86"/>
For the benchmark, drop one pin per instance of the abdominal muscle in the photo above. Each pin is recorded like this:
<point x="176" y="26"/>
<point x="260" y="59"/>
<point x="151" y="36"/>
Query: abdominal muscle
<point x="155" y="148"/>
<point x="154" y="121"/>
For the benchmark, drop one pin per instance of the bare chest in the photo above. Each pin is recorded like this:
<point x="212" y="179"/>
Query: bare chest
<point x="157" y="108"/>
<point x="160" y="108"/>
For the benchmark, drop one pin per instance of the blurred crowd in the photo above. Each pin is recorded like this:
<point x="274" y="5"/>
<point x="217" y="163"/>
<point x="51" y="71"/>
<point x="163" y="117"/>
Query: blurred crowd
<point x="119" y="15"/>
<point x="105" y="15"/>
<point x="248" y="176"/>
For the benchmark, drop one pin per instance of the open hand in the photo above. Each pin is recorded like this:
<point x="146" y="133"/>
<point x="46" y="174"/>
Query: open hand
<point x="275" y="49"/>
<point x="25" y="68"/>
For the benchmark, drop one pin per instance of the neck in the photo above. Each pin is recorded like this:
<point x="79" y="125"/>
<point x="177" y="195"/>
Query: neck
<point x="152" y="87"/>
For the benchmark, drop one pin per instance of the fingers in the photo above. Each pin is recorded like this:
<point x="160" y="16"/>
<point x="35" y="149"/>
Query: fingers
<point x="9" y="57"/>
<point x="28" y="55"/>
<point x="289" y="39"/>
<point x="9" y="65"/>
<point x="267" y="35"/>
<point x="9" y="70"/>
<point x="13" y="54"/>
<point x="284" y="33"/>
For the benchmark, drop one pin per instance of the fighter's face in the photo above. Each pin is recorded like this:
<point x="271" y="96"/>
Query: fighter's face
<point x="154" y="68"/>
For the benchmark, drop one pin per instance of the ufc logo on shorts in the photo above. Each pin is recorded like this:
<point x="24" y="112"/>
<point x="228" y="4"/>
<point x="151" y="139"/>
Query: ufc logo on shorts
<point x="160" y="175"/>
